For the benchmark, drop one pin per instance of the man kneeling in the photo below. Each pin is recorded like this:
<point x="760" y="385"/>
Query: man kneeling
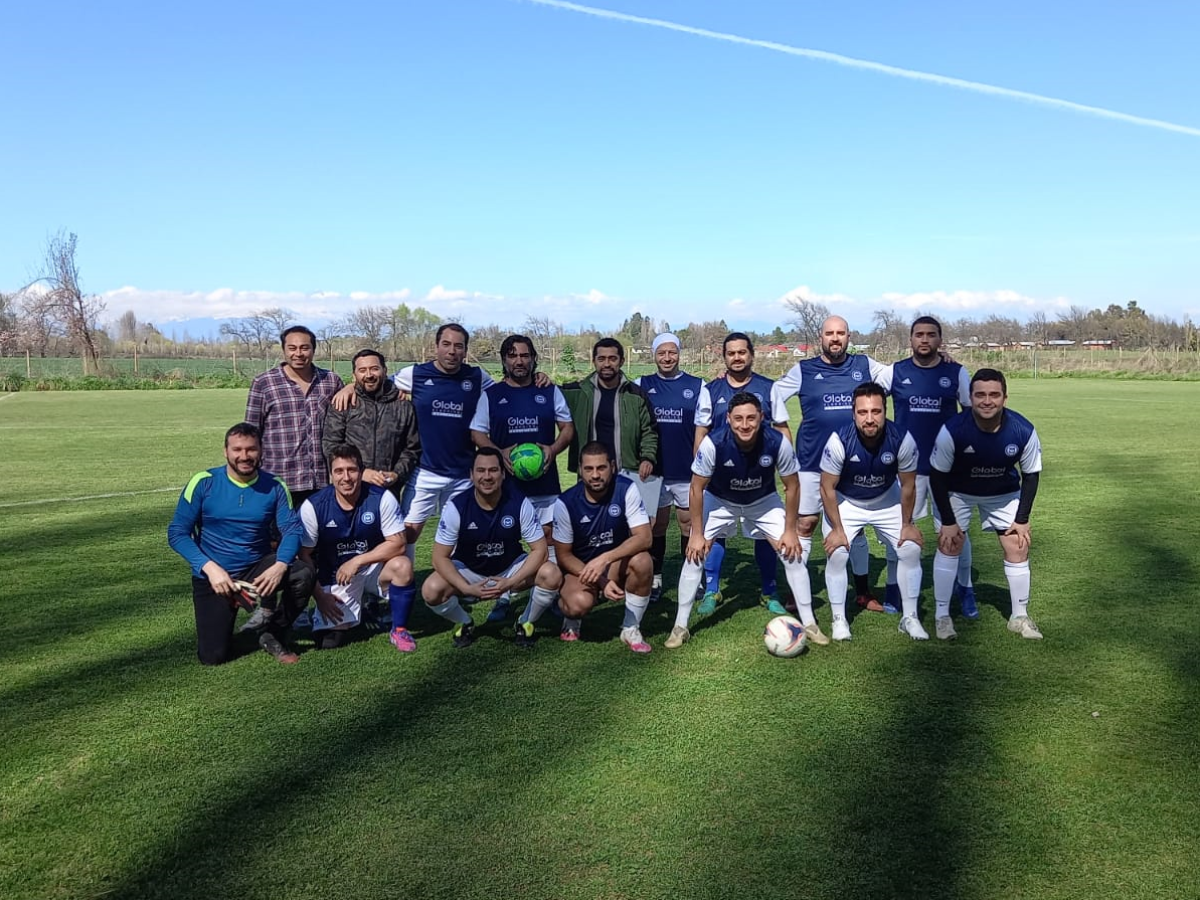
<point x="354" y="533"/>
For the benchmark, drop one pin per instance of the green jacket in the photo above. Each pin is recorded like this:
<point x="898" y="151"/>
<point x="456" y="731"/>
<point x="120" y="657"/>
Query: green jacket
<point x="637" y="433"/>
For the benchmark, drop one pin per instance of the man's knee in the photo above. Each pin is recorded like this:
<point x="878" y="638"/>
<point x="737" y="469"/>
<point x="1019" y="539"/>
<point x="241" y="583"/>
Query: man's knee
<point x="398" y="571"/>
<point x="549" y="577"/>
<point x="435" y="590"/>
<point x="806" y="525"/>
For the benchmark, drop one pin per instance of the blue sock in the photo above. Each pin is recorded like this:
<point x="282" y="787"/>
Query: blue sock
<point x="712" y="566"/>
<point x="767" y="559"/>
<point x="401" y="598"/>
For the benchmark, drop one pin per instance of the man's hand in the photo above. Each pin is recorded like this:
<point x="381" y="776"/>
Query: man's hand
<point x="613" y="591"/>
<point x="347" y="570"/>
<point x="950" y="540"/>
<point x="645" y="469"/>
<point x="344" y="399"/>
<point x="835" y="538"/>
<point x="378" y="477"/>
<point x="492" y="588"/>
<point x="219" y="579"/>
<point x="547" y="459"/>
<point x="593" y="571"/>
<point x="329" y="605"/>
<point x="541" y="379"/>
<point x="506" y="458"/>
<point x="268" y="582"/>
<point x="1023" y="534"/>
<point x="697" y="547"/>
<point x="789" y="545"/>
<point x="911" y="532"/>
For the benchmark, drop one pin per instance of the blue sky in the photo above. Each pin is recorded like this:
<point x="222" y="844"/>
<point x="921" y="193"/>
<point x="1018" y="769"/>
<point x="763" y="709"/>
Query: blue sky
<point x="490" y="159"/>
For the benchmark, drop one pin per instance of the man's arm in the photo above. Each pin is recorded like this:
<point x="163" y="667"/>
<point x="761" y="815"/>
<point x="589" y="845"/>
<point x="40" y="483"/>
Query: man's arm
<point x="444" y="566"/>
<point x="703" y="418"/>
<point x="256" y="404"/>
<point x="789" y="542"/>
<point x="697" y="547"/>
<point x="782" y="391"/>
<point x="648" y="436"/>
<point x="333" y="432"/>
<point x="181" y="533"/>
<point x="410" y="439"/>
<point x="391" y="547"/>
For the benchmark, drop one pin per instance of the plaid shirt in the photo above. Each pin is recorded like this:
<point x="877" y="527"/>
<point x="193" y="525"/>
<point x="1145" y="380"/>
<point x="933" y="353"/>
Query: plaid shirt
<point x="291" y="423"/>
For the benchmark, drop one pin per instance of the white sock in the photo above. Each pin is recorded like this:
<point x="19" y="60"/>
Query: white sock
<point x="1018" y="586"/>
<point x="657" y="582"/>
<point x="635" y="608"/>
<point x="540" y="600"/>
<point x="690" y="577"/>
<point x="945" y="568"/>
<point x="860" y="555"/>
<point x="796" y="573"/>
<point x="964" y="563"/>
<point x="453" y="611"/>
<point x="836" y="581"/>
<point x="909" y="560"/>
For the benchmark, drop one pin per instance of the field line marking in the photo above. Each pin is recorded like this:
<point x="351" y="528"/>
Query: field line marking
<point x="88" y="497"/>
<point x="6" y="396"/>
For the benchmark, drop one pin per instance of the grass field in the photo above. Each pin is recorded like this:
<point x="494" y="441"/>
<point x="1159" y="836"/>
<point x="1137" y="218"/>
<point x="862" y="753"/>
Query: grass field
<point x="984" y="768"/>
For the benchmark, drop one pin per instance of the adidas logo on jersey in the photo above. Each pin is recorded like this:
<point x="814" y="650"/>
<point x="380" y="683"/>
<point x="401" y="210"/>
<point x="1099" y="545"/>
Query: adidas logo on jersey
<point x="652" y="391"/>
<point x="472" y="527"/>
<point x="503" y="400"/>
<point x="819" y="377"/>
<point x="855" y="458"/>
<point x="729" y="462"/>
<point x="722" y="400"/>
<point x="429" y="381"/>
<point x="969" y="449"/>
<point x="331" y="524"/>
<point x="584" y="519"/>
<point x="906" y="381"/>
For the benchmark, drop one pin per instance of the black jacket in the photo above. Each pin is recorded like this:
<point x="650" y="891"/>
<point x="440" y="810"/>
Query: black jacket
<point x="383" y="428"/>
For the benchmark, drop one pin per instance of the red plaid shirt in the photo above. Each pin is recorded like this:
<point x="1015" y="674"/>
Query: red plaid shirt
<point x="291" y="423"/>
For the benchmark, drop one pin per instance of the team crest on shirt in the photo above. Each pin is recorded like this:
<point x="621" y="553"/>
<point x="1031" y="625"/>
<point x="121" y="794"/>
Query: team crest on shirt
<point x="539" y="398"/>
<point x="368" y="518"/>
<point x="466" y="385"/>
<point x="944" y="381"/>
<point x="688" y="394"/>
<point x="888" y="458"/>
<point x="764" y="460"/>
<point x="507" y="522"/>
<point x="614" y="510"/>
<point x="1012" y="450"/>
<point x="857" y="376"/>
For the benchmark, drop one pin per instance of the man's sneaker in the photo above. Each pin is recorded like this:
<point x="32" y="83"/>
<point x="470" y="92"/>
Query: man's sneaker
<point x="523" y="635"/>
<point x="813" y="633"/>
<point x="773" y="604"/>
<point x="282" y="654"/>
<point x="403" y="640"/>
<point x="910" y="626"/>
<point x="258" y="620"/>
<point x="841" y="628"/>
<point x="892" y="601"/>
<point x="500" y="611"/>
<point x="464" y="635"/>
<point x="869" y="602"/>
<point x="677" y="638"/>
<point x="570" y="633"/>
<point x="708" y="603"/>
<point x="966" y="601"/>
<point x="632" y="638"/>
<point x="1023" y="625"/>
<point x="944" y="626"/>
<point x="656" y="589"/>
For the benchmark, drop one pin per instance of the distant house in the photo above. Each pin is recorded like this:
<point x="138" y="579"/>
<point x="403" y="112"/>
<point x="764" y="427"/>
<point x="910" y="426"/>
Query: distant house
<point x="1060" y="343"/>
<point x="1100" y="345"/>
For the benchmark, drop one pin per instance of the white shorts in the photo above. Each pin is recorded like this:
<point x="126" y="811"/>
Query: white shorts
<point x="886" y="521"/>
<point x="995" y="513"/>
<point x="648" y="489"/>
<point x="761" y="519"/>
<point x="810" y="493"/>
<point x="473" y="577"/>
<point x="426" y="494"/>
<point x="350" y="597"/>
<point x="675" y="493"/>
<point x="545" y="507"/>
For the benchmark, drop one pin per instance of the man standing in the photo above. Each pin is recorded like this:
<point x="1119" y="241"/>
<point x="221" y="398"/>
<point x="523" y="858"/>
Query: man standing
<point x="733" y="482"/>
<point x="355" y="535"/>
<point x="223" y="527"/>
<point x="975" y="465"/>
<point x="927" y="390"/>
<point x="738" y="351"/>
<point x="601" y="539"/>
<point x="287" y="404"/>
<point x="673" y="396"/>
<point x="477" y="550"/>
<point x="868" y="477"/>
<point x="825" y="384"/>
<point x="516" y="411"/>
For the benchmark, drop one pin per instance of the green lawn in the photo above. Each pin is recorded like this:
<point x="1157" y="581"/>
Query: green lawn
<point x="986" y="768"/>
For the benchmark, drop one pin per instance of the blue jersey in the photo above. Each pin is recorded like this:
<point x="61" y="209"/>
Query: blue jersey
<point x="826" y="400"/>
<point x="512" y="415"/>
<point x="984" y="464"/>
<point x="594" y="528"/>
<point x="338" y="535"/>
<point x="488" y="541"/>
<point x="445" y="405"/>
<point x="740" y="476"/>
<point x="714" y="401"/>
<point x="866" y="474"/>
<point x="673" y="401"/>
<point x="924" y="399"/>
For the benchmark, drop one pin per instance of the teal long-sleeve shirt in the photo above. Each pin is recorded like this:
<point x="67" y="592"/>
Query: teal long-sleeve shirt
<point x="222" y="520"/>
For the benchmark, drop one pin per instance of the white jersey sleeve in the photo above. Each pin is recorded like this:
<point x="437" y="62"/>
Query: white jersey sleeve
<point x="833" y="457"/>
<point x="448" y="525"/>
<point x="390" y="519"/>
<point x="563" y="531"/>
<point x="1031" y="456"/>
<point x="784" y="390"/>
<point x="482" y="420"/>
<point x="312" y="528"/>
<point x="485" y="379"/>
<point x="880" y="374"/>
<point x="942" y="457"/>
<point x="785" y="460"/>
<point x="906" y="457"/>
<point x="964" y="388"/>
<point x="635" y="510"/>
<point x="531" y="525"/>
<point x="704" y="408"/>
<point x="403" y="379"/>
<point x="705" y="462"/>
<point x="562" y="412"/>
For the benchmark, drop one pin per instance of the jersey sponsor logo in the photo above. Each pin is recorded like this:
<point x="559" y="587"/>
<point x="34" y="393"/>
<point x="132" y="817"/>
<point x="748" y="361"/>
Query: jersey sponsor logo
<point x="668" y="416"/>
<point x="745" y="484"/>
<point x="944" y="381"/>
<point x="764" y="460"/>
<point x="988" y="471"/>
<point x="869" y="482"/>
<point x="368" y="518"/>
<point x="539" y="398"/>
<point x="523" y="423"/>
<point x="467" y="385"/>
<point x="924" y="404"/>
<point x="1012" y="450"/>
<point x="489" y="549"/>
<point x="688" y="393"/>
<point x="351" y="548"/>
<point x="507" y="522"/>
<point x="448" y="408"/>
<point x="614" y="510"/>
<point x="603" y="539"/>
<point x="888" y="458"/>
<point x="838" y="401"/>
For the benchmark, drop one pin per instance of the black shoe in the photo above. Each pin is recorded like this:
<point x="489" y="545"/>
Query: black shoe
<point x="272" y="645"/>
<point x="464" y="635"/>
<point x="523" y="637"/>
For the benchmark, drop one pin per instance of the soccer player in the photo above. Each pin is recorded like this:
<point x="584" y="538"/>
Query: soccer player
<point x="927" y="390"/>
<point x="673" y="396"/>
<point x="733" y="482"/>
<point x="287" y="404"/>
<point x="825" y="384"/>
<point x="868" y="477"/>
<point x="738" y="351"/>
<point x="516" y="411"/>
<point x="223" y="527"/>
<point x="602" y="540"/>
<point x="987" y="458"/>
<point x="354" y="533"/>
<point x="477" y="550"/>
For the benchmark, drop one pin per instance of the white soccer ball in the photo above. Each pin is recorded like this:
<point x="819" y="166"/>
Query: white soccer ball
<point x="784" y="636"/>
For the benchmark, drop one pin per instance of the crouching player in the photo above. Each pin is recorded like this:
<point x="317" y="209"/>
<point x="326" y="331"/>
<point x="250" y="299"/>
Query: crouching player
<point x="602" y="541"/>
<point x="869" y="477"/>
<point x="733" y="481"/>
<point x="477" y="550"/>
<point x="354" y="534"/>
<point x="975" y="466"/>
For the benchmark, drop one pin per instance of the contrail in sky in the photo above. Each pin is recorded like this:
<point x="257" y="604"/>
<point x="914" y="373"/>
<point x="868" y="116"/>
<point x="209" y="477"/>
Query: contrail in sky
<point x="895" y="71"/>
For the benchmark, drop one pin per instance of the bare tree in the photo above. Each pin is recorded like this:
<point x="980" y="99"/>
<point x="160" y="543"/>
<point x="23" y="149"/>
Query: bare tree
<point x="541" y="329"/>
<point x="255" y="332"/>
<point x="278" y="318"/>
<point x="891" y="331"/>
<point x="370" y="323"/>
<point x="57" y="296"/>
<point x="127" y="326"/>
<point x="807" y="316"/>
